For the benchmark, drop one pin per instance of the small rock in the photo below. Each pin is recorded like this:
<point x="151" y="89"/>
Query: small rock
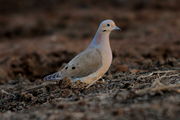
<point x="122" y="68"/>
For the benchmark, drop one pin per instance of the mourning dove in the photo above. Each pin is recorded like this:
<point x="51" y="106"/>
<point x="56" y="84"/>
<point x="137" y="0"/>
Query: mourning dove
<point x="92" y="63"/>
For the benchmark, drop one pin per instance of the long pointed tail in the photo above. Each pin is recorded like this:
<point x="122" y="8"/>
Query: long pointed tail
<point x="54" y="76"/>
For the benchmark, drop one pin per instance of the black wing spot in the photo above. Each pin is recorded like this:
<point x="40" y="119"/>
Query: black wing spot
<point x="73" y="68"/>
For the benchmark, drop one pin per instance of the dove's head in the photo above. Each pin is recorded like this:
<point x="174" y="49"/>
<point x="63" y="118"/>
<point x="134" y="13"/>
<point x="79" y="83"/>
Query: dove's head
<point x="107" y="26"/>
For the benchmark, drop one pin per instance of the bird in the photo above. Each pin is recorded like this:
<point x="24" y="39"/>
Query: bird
<point x="92" y="63"/>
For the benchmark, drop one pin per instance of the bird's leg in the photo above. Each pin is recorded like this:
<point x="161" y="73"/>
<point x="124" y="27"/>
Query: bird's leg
<point x="103" y="81"/>
<point x="92" y="83"/>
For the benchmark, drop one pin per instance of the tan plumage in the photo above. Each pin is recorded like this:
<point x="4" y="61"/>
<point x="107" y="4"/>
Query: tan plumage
<point x="91" y="64"/>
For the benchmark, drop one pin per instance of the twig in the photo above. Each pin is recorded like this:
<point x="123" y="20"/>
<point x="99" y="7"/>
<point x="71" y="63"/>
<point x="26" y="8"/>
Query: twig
<point x="157" y="85"/>
<point x="41" y="86"/>
<point x="156" y="89"/>
<point x="5" y="92"/>
<point x="157" y="81"/>
<point x="156" y="72"/>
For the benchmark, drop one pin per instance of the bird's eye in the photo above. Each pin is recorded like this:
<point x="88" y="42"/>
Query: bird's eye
<point x="108" y="25"/>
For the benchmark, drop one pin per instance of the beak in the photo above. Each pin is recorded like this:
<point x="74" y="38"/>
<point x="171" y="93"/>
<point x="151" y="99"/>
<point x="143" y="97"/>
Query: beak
<point x="117" y="28"/>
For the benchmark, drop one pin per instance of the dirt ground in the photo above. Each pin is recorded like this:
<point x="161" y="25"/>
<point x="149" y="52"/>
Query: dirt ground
<point x="38" y="37"/>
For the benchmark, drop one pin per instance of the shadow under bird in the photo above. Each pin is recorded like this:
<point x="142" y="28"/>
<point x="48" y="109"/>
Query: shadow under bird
<point x="92" y="63"/>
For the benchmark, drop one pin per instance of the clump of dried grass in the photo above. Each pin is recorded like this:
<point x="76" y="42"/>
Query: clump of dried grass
<point x="157" y="85"/>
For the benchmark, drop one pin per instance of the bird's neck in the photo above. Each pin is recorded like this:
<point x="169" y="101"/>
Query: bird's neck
<point x="100" y="39"/>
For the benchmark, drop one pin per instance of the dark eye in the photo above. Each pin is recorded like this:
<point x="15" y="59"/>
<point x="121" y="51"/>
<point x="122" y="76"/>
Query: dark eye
<point x="108" y="25"/>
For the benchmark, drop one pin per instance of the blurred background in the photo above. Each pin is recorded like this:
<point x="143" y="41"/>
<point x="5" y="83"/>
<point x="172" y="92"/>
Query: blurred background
<point x="38" y="36"/>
